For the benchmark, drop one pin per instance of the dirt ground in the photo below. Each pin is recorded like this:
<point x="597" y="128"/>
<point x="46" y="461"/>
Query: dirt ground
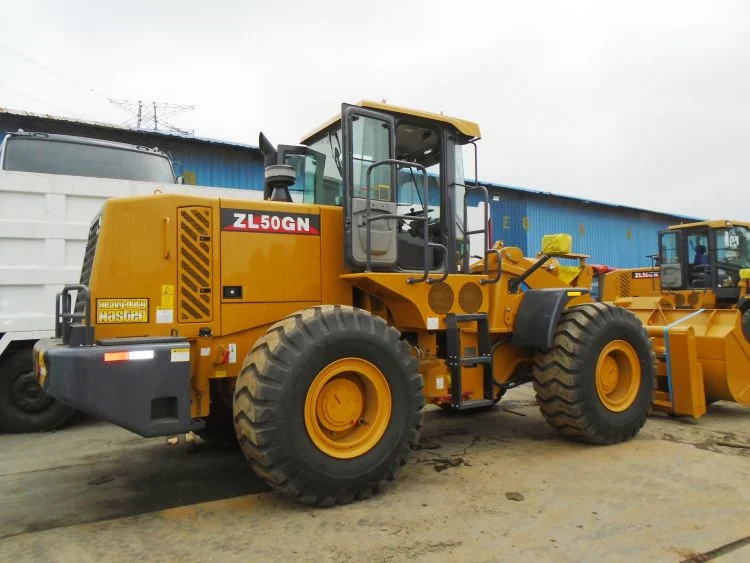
<point x="497" y="486"/>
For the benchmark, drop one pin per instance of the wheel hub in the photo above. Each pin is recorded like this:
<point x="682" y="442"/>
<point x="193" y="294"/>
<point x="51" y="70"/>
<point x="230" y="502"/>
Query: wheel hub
<point x="610" y="374"/>
<point x="28" y="395"/>
<point x="618" y="376"/>
<point x="347" y="408"/>
<point x="339" y="405"/>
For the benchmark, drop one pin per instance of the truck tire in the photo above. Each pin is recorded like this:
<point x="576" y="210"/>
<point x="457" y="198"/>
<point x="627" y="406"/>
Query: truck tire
<point x="24" y="406"/>
<point x="328" y="404"/>
<point x="596" y="383"/>
<point x="746" y="325"/>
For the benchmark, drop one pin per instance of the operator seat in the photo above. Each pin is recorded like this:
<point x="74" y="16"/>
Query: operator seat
<point x="701" y="269"/>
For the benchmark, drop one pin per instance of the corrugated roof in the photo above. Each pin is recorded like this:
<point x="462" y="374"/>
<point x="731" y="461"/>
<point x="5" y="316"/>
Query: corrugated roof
<point x="588" y="201"/>
<point x="104" y="125"/>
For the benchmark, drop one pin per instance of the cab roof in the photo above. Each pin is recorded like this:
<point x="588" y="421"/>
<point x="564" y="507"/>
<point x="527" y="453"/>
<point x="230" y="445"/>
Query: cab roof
<point x="463" y="126"/>
<point x="715" y="224"/>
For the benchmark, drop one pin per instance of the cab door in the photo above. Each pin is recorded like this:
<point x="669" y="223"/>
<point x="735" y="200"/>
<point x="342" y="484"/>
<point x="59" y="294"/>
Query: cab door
<point x="369" y="137"/>
<point x="671" y="256"/>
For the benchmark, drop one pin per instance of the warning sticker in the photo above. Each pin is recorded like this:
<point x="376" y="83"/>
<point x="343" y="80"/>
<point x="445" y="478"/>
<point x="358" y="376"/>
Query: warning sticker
<point x="167" y="297"/>
<point x="121" y="311"/>
<point x="180" y="354"/>
<point x="164" y="316"/>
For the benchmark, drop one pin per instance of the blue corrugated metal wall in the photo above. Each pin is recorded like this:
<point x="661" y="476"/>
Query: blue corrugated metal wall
<point x="222" y="168"/>
<point x="618" y="238"/>
<point x="506" y="218"/>
<point x="509" y="221"/>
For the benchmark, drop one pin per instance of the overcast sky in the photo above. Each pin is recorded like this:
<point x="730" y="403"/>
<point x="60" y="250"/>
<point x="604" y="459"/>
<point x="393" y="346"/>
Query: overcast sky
<point x="639" y="103"/>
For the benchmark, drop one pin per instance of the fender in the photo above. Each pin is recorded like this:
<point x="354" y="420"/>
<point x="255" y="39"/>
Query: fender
<point x="539" y="314"/>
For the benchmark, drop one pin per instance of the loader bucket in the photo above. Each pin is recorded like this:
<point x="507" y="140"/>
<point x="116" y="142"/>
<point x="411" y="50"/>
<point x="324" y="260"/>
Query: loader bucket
<point x="701" y="356"/>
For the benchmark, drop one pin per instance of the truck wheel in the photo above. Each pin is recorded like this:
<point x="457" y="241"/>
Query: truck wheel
<point x="327" y="405"/>
<point x="746" y="325"/>
<point x="24" y="406"/>
<point x="596" y="383"/>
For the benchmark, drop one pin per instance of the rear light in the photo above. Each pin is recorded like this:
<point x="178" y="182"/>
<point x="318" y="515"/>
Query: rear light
<point x="129" y="356"/>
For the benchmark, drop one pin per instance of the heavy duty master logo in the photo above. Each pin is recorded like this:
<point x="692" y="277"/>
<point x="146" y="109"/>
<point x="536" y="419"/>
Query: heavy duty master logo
<point x="121" y="311"/>
<point x="251" y="221"/>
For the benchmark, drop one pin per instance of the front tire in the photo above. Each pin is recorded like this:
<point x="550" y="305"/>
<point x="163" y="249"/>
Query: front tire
<point x="24" y="406"/>
<point x="328" y="403"/>
<point x="596" y="383"/>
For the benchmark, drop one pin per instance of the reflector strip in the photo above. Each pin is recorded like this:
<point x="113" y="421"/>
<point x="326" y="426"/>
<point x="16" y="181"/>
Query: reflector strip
<point x="575" y="293"/>
<point x="127" y="356"/>
<point x="141" y="355"/>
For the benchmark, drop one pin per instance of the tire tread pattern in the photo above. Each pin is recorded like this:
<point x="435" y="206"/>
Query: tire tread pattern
<point x="559" y="377"/>
<point x="256" y="400"/>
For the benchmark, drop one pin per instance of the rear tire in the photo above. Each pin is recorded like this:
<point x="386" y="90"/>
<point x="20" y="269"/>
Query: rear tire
<point x="24" y="406"/>
<point x="596" y="383"/>
<point x="290" y="400"/>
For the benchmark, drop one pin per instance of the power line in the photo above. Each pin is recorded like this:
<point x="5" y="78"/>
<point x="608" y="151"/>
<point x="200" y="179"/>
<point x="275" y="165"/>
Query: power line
<point x="34" y="98"/>
<point x="145" y="114"/>
<point x="57" y="73"/>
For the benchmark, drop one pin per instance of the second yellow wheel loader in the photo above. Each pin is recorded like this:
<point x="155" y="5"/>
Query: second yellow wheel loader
<point x="696" y="307"/>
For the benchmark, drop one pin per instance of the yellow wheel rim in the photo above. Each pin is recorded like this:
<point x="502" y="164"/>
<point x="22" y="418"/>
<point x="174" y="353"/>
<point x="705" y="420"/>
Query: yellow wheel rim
<point x="618" y="375"/>
<point x="347" y="408"/>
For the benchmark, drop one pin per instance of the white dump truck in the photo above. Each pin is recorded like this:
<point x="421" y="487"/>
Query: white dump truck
<point x="51" y="188"/>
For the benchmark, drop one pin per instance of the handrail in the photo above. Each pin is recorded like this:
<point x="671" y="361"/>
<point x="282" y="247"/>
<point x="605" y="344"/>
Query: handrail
<point x="497" y="253"/>
<point x="425" y="216"/>
<point x="63" y="306"/>
<point x="484" y="230"/>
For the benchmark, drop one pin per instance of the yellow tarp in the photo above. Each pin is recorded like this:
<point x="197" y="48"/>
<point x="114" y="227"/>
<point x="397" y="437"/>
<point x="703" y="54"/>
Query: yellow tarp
<point x="557" y="244"/>
<point x="567" y="273"/>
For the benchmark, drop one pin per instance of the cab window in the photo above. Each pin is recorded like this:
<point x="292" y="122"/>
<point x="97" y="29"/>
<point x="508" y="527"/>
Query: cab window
<point x="370" y="144"/>
<point x="329" y="190"/>
<point x="306" y="171"/>
<point x="422" y="146"/>
<point x="732" y="246"/>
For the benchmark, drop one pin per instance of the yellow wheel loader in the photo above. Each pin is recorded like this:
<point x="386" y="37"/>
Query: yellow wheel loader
<point x="699" y="264"/>
<point x="696" y="308"/>
<point x="314" y="325"/>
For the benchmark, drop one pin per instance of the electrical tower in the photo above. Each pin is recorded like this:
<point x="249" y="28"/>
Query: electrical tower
<point x="150" y="115"/>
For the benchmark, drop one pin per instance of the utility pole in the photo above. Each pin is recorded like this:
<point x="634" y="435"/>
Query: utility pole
<point x="153" y="120"/>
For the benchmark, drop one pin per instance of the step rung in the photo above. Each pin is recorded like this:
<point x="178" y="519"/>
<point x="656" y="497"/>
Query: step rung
<point x="470" y="318"/>
<point x="474" y="404"/>
<point x="475" y="360"/>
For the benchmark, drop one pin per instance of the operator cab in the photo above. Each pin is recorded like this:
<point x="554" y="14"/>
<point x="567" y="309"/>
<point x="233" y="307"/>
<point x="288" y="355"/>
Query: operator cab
<point x="705" y="256"/>
<point x="412" y="217"/>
